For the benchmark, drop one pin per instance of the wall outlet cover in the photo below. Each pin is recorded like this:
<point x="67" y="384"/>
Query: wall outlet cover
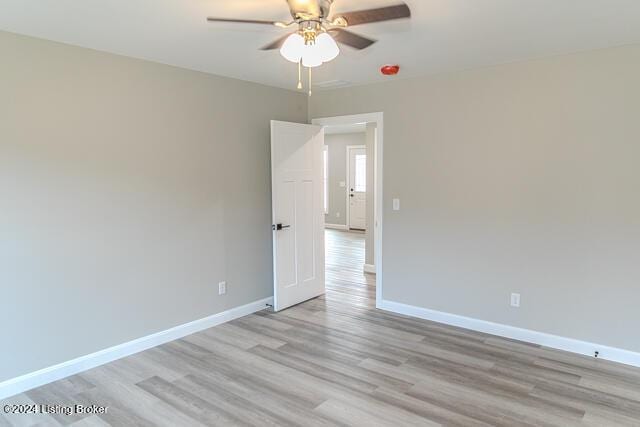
<point x="222" y="288"/>
<point x="515" y="300"/>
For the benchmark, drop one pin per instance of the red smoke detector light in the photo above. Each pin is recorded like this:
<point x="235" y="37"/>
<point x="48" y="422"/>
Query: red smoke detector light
<point x="390" y="70"/>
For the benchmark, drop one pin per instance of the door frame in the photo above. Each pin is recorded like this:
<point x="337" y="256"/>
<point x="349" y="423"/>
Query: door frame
<point x="378" y="119"/>
<point x="348" y="213"/>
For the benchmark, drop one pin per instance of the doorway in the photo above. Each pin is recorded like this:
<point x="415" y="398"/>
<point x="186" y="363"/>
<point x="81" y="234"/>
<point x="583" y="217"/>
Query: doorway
<point x="352" y="202"/>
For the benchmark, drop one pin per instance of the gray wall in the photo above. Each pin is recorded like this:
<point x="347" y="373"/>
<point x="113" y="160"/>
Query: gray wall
<point x="516" y="178"/>
<point x="128" y="190"/>
<point x="337" y="146"/>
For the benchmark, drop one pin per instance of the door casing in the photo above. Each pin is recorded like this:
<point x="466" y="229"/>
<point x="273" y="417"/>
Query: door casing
<point x="378" y="119"/>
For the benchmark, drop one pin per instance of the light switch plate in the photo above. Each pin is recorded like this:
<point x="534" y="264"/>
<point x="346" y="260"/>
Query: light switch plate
<point x="396" y="204"/>
<point x="343" y="184"/>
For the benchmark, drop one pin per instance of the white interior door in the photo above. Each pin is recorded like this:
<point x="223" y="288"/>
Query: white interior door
<point x="298" y="212"/>
<point x="357" y="187"/>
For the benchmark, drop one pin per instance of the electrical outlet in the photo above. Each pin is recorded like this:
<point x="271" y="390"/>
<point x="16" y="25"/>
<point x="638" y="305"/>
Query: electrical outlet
<point x="396" y="204"/>
<point x="222" y="288"/>
<point x="515" y="300"/>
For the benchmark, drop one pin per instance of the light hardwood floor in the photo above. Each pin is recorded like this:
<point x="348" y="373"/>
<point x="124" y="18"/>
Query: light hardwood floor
<point x="336" y="360"/>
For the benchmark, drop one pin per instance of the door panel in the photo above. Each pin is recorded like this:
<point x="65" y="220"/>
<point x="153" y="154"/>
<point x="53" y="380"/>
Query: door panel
<point x="298" y="253"/>
<point x="285" y="242"/>
<point x="307" y="233"/>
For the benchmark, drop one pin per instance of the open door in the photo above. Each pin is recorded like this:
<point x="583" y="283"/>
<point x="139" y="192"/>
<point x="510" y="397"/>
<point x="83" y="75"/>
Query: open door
<point x="298" y="212"/>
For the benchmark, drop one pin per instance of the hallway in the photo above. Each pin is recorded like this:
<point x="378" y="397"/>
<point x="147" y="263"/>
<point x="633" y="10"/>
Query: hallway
<point x="346" y="283"/>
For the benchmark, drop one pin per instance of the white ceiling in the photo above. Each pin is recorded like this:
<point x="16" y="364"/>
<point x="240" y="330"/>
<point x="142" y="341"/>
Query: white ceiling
<point x="443" y="35"/>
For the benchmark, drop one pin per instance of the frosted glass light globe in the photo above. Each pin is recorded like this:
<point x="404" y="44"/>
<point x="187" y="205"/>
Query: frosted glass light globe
<point x="293" y="48"/>
<point x="311" y="57"/>
<point x="327" y="47"/>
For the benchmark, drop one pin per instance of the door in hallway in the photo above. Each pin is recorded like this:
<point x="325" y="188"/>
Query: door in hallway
<point x="357" y="162"/>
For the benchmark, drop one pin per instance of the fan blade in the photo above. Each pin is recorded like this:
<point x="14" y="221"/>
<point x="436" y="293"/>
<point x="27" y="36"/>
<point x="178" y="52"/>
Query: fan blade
<point x="276" y="44"/>
<point x="351" y="39"/>
<point x="241" y="21"/>
<point x="376" y="15"/>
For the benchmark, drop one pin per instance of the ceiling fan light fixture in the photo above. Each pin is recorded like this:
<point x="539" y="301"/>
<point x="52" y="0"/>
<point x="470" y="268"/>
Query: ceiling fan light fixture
<point x="293" y="48"/>
<point x="312" y="45"/>
<point x="327" y="47"/>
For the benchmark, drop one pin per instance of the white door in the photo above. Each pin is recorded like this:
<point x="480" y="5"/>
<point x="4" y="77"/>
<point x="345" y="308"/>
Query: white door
<point x="298" y="212"/>
<point x="357" y="188"/>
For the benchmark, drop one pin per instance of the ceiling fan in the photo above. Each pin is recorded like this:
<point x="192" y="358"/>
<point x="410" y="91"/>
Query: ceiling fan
<point x="314" y="40"/>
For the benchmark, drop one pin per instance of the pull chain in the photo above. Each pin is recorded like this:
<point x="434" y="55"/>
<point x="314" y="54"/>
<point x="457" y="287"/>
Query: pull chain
<point x="300" y="75"/>
<point x="310" y="84"/>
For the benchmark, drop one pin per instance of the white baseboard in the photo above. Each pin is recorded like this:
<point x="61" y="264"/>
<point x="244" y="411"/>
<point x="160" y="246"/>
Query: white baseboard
<point x="369" y="268"/>
<point x="553" y="341"/>
<point x="337" y="227"/>
<point x="44" y="376"/>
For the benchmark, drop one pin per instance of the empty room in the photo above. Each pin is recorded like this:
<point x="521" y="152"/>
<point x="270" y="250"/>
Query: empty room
<point x="320" y="213"/>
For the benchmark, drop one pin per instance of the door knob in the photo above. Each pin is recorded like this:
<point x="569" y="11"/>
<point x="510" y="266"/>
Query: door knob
<point x="350" y="195"/>
<point x="279" y="227"/>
